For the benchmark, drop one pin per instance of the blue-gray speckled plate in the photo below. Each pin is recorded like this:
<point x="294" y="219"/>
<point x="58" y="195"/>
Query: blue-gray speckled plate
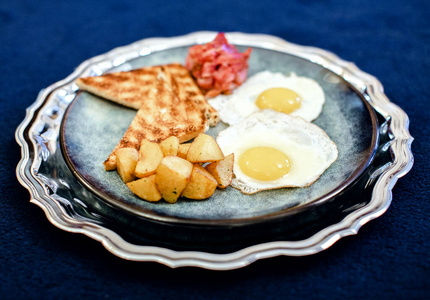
<point x="92" y="126"/>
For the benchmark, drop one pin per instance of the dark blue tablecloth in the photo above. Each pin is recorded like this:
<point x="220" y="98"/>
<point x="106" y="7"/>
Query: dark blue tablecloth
<point x="42" y="42"/>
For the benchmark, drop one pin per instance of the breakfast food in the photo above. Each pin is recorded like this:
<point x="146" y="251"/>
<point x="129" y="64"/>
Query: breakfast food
<point x="167" y="176"/>
<point x="170" y="146"/>
<point x="132" y="88"/>
<point x="150" y="155"/>
<point x="127" y="159"/>
<point x="204" y="149"/>
<point x="168" y="108"/>
<point x="217" y="66"/>
<point x="129" y="88"/>
<point x="222" y="170"/>
<point x="294" y="95"/>
<point x="274" y="150"/>
<point x="201" y="185"/>
<point x="270" y="141"/>
<point x="145" y="188"/>
<point x="186" y="88"/>
<point x="172" y="176"/>
<point x="183" y="150"/>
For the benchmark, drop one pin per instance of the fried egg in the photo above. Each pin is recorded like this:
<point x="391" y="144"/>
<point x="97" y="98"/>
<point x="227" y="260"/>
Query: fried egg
<point x="294" y="95"/>
<point x="274" y="150"/>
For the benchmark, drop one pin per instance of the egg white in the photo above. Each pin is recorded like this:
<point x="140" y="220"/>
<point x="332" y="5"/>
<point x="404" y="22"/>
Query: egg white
<point x="234" y="108"/>
<point x="307" y="146"/>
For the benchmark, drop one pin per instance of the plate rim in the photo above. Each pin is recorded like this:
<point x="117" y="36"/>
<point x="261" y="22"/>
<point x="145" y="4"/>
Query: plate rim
<point x="381" y="198"/>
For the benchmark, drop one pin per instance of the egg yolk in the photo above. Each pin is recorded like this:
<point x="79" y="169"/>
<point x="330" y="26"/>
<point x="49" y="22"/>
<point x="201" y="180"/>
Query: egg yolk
<point x="264" y="163"/>
<point x="280" y="99"/>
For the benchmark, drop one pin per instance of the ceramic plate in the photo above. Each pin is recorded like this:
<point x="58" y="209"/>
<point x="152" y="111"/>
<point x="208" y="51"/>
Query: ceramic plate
<point x="67" y="134"/>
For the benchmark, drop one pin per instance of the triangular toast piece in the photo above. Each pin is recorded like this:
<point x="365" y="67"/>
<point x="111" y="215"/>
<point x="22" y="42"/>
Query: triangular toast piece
<point x="166" y="105"/>
<point x="132" y="88"/>
<point x="129" y="88"/>
<point x="161" y="116"/>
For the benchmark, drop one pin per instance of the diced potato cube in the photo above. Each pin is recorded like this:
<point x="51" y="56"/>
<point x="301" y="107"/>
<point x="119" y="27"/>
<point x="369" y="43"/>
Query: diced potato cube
<point x="183" y="150"/>
<point x="204" y="148"/>
<point x="222" y="170"/>
<point x="145" y="188"/>
<point x="202" y="184"/>
<point x="172" y="176"/>
<point x="150" y="156"/>
<point x="126" y="160"/>
<point x="170" y="146"/>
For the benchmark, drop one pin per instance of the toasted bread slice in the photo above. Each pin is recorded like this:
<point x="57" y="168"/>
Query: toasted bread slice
<point x="162" y="115"/>
<point x="132" y="88"/>
<point x="186" y="88"/>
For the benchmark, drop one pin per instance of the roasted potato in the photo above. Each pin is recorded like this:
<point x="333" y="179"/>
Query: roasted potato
<point x="170" y="146"/>
<point x="204" y="148"/>
<point x="183" y="150"/>
<point x="145" y="188"/>
<point x="222" y="170"/>
<point x="150" y="156"/>
<point x="202" y="184"/>
<point x="126" y="160"/>
<point x="172" y="176"/>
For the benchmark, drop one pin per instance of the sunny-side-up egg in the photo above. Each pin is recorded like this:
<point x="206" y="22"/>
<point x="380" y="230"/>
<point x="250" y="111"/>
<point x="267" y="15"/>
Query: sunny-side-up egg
<point x="294" y="95"/>
<point x="274" y="150"/>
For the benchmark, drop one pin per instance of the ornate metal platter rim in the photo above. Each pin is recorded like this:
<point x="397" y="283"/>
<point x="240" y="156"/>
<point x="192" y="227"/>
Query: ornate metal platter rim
<point x="369" y="86"/>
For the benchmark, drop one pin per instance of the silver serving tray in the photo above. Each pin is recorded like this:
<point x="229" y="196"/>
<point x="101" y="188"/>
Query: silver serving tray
<point x="72" y="204"/>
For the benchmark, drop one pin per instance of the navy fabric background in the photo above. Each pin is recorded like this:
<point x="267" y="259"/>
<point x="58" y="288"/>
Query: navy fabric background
<point x="42" y="42"/>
